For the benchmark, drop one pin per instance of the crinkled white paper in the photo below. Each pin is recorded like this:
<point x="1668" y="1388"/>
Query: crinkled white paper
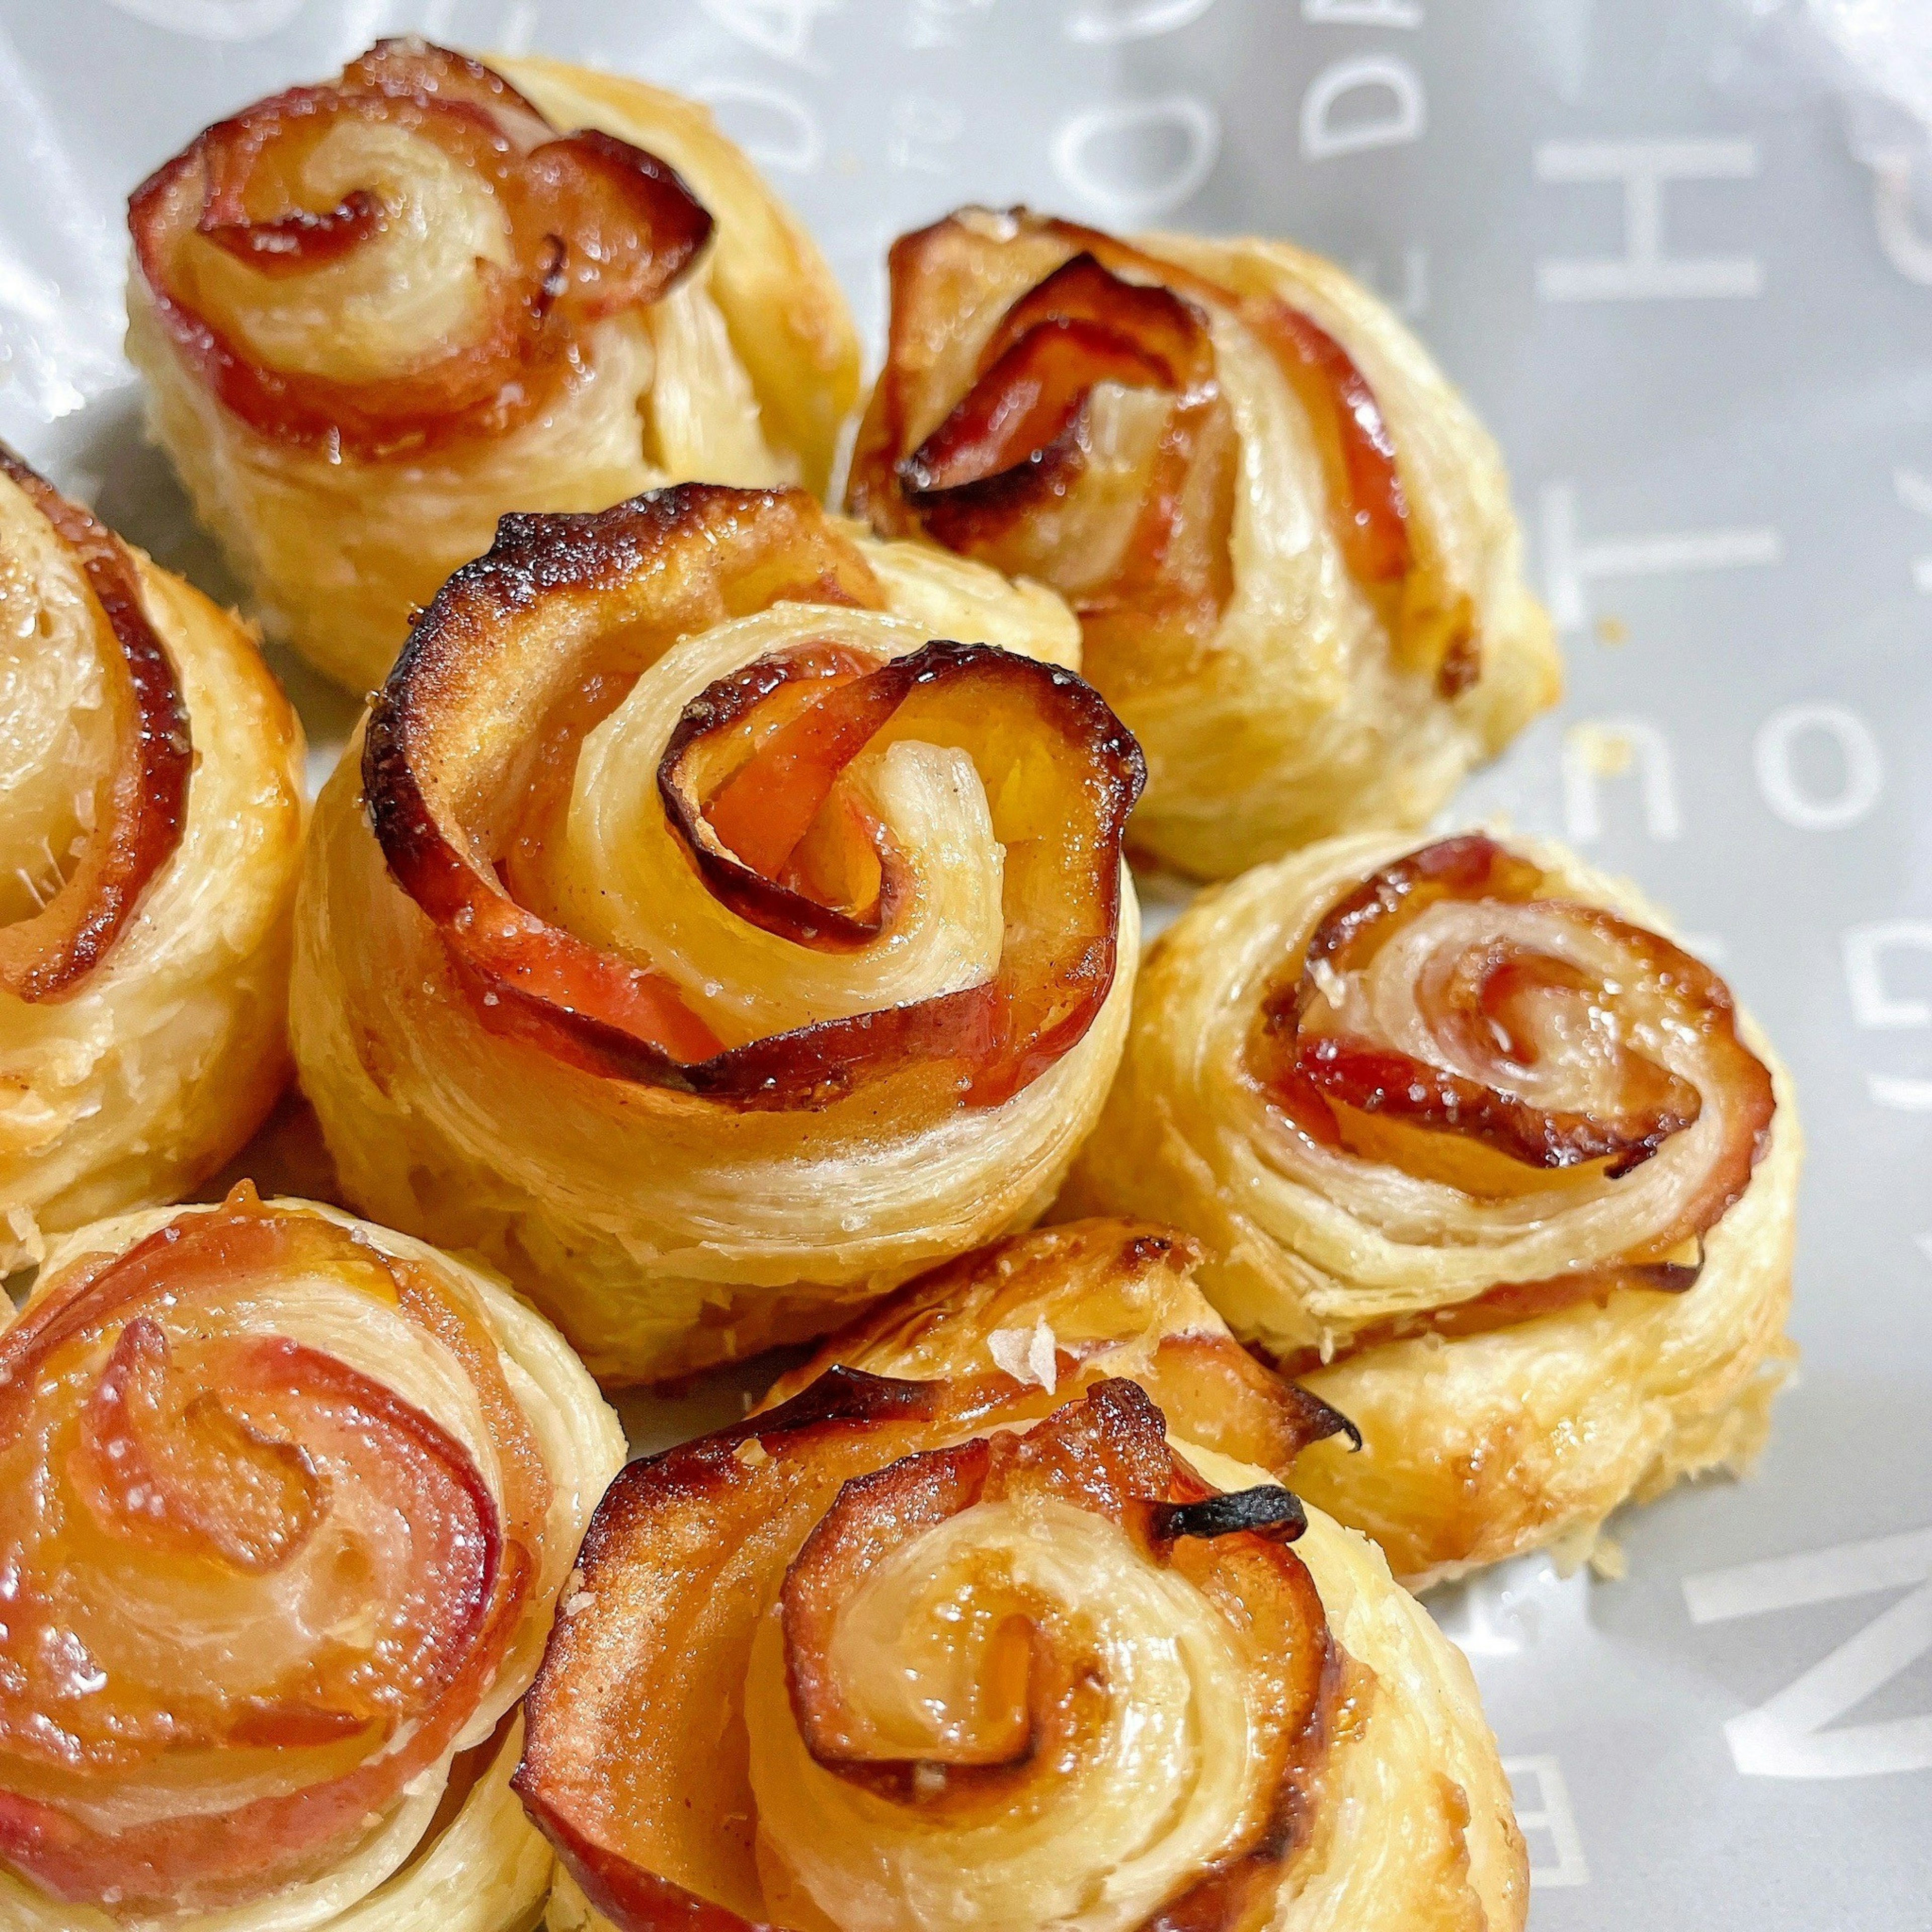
<point x="1680" y="253"/>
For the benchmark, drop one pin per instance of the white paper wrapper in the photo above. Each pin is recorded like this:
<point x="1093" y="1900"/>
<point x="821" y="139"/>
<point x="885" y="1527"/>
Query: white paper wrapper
<point x="1680" y="253"/>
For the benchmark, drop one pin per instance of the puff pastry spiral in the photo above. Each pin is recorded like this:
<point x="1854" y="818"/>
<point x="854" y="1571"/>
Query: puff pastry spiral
<point x="376" y="313"/>
<point x="1494" y="1166"/>
<point x="1000" y="1647"/>
<point x="288" y="1499"/>
<point x="1289" y="542"/>
<point x="703" y="941"/>
<point x="150" y="815"/>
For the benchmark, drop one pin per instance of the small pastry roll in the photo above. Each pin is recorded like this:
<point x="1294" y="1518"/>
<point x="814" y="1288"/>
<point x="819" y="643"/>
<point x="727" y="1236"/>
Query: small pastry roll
<point x="951" y="1655"/>
<point x="703" y="942"/>
<point x="1289" y="542"/>
<point x="150" y="813"/>
<point x="1491" y="1165"/>
<point x="376" y="313"/>
<point x="288" y="1501"/>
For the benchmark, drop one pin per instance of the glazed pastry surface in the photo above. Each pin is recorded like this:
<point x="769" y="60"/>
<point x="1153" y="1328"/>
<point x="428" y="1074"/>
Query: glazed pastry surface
<point x="698" y="939"/>
<point x="1289" y="542"/>
<point x="1000" y="1646"/>
<point x="377" y="314"/>
<point x="290" y="1499"/>
<point x="150" y="809"/>
<point x="1483" y="1159"/>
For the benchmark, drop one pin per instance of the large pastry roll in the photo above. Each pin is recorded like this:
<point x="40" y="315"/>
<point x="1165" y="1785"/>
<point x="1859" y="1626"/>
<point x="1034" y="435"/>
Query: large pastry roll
<point x="376" y="313"/>
<point x="699" y="939"/>
<point x="1004" y="1648"/>
<point x="1485" y="1159"/>
<point x="150" y="816"/>
<point x="288" y="1501"/>
<point x="1289" y="542"/>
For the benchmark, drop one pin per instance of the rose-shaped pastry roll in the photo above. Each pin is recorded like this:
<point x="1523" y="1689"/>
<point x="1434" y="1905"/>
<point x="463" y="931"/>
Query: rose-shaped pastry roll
<point x="1289" y="542"/>
<point x="944" y="1655"/>
<point x="150" y="813"/>
<point x="376" y="313"/>
<point x="288" y="1501"/>
<point x="700" y="940"/>
<point x="1485" y="1161"/>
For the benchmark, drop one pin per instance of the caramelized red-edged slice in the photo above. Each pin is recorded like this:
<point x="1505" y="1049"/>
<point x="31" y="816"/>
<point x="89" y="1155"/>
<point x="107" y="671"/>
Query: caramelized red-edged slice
<point x="1471" y="865"/>
<point x="180" y="1471"/>
<point x="1171" y="333"/>
<point x="564" y="605"/>
<point x="1352" y="1073"/>
<point x="1006" y="468"/>
<point x="140" y="804"/>
<point x="748" y="772"/>
<point x="873" y="1516"/>
<point x="406" y="67"/>
<point x="1232" y="1403"/>
<point x="1061" y="886"/>
<point x="1080" y="327"/>
<point x="1365" y="499"/>
<point x="245" y="1488"/>
<point x="1366" y="504"/>
<point x="531" y="646"/>
<point x="302" y="239"/>
<point x="1491" y="1091"/>
<point x="623" y="1766"/>
<point x="1016" y="416"/>
<point x="594" y="225"/>
<point x="629" y="226"/>
<point x="1013" y="447"/>
<point x="1107" y="1454"/>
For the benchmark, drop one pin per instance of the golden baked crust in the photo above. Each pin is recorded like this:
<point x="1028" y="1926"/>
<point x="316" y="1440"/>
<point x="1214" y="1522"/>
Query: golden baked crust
<point x="999" y="1462"/>
<point x="1521" y="1352"/>
<point x="344" y="1302"/>
<point x="1290" y="541"/>
<point x="737" y="362"/>
<point x="134" y="1070"/>
<point x="840" y="1133"/>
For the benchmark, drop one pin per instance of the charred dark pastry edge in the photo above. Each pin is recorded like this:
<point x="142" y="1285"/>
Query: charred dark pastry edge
<point x="1265" y="1509"/>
